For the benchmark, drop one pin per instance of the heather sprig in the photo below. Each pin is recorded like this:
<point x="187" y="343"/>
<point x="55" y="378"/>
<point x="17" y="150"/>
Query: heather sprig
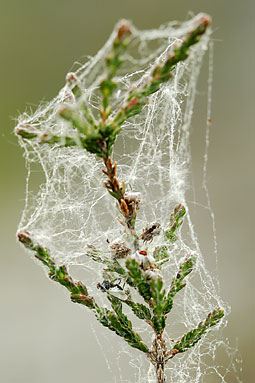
<point x="177" y="282"/>
<point x="98" y="136"/>
<point x="131" y="270"/>
<point x="175" y="222"/>
<point x="192" y="337"/>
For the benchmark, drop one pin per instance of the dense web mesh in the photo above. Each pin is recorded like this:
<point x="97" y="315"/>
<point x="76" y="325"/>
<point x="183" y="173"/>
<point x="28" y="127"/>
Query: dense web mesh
<point x="72" y="210"/>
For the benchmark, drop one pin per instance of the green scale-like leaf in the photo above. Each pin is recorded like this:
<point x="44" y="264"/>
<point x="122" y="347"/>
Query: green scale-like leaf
<point x="141" y="311"/>
<point x="152" y="291"/>
<point x="176" y="220"/>
<point x="192" y="337"/>
<point x="139" y="281"/>
<point x="177" y="283"/>
<point x="113" y="63"/>
<point x="158" y="304"/>
<point x="123" y="326"/>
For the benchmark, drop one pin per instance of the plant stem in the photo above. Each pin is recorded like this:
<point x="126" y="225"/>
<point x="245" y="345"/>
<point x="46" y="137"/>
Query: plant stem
<point x="157" y="357"/>
<point x="128" y="202"/>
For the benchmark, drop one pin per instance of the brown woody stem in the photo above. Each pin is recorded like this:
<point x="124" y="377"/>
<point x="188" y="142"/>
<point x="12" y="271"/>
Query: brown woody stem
<point x="128" y="204"/>
<point x="158" y="358"/>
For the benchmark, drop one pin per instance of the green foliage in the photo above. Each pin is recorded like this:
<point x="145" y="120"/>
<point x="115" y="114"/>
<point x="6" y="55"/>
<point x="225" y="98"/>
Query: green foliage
<point x="29" y="133"/>
<point x="113" y="63"/>
<point x="122" y="325"/>
<point x="98" y="137"/>
<point x="153" y="293"/>
<point x="112" y="265"/>
<point x="118" y="323"/>
<point x="139" y="281"/>
<point x="161" y="255"/>
<point x="177" y="283"/>
<point x="157" y="294"/>
<point x="175" y="222"/>
<point x="87" y="301"/>
<point x="160" y="73"/>
<point x="112" y="268"/>
<point x="157" y="304"/>
<point x="192" y="337"/>
<point x="56" y="273"/>
<point x="140" y="310"/>
<point x="159" y="323"/>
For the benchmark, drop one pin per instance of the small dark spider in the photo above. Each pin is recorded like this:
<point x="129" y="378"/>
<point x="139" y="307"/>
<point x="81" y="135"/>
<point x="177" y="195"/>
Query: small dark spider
<point x="106" y="285"/>
<point x="150" y="232"/>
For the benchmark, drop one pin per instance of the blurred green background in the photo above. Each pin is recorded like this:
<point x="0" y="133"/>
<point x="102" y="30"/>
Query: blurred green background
<point x="43" y="337"/>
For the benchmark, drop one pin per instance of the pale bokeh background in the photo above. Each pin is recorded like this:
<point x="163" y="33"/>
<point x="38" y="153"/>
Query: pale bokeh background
<point x="43" y="336"/>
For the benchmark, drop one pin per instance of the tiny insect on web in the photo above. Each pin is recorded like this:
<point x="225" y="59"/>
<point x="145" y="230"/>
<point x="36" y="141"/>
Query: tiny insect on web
<point x="107" y="285"/>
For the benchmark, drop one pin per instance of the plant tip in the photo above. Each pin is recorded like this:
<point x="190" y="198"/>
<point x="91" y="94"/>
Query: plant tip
<point x="124" y="29"/>
<point x="25" y="238"/>
<point x="202" y="19"/>
<point x="71" y="78"/>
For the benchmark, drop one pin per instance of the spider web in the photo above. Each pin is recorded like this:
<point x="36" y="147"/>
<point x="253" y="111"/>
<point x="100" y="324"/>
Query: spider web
<point x="70" y="209"/>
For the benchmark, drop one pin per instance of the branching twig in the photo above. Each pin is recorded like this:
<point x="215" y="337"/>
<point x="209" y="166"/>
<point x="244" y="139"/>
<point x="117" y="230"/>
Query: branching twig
<point x="142" y="271"/>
